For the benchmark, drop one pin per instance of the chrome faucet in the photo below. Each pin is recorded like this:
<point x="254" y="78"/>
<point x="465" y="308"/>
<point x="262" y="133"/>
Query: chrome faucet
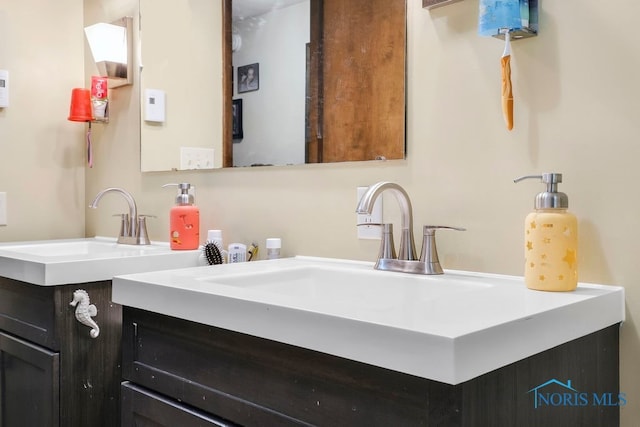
<point x="406" y="261"/>
<point x="133" y="228"/>
<point x="365" y="206"/>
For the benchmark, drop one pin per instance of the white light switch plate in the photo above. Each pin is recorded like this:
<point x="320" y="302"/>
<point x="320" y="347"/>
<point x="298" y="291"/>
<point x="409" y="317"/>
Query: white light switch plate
<point x="3" y="208"/>
<point x="154" y="105"/>
<point x="369" y="231"/>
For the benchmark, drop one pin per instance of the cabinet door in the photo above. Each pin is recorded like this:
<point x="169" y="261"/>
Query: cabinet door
<point x="29" y="384"/>
<point x="143" y="408"/>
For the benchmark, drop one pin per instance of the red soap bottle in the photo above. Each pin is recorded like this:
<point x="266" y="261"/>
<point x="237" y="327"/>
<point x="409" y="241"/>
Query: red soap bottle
<point x="184" y="220"/>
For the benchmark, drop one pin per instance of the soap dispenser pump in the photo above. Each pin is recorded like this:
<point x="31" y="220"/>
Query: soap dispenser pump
<point x="184" y="220"/>
<point x="551" y="239"/>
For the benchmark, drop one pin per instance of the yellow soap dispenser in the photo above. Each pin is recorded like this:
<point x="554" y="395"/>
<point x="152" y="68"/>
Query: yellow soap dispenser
<point x="551" y="239"/>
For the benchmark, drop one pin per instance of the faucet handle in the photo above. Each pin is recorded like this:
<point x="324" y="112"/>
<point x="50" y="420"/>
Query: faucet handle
<point x="431" y="229"/>
<point x="124" y="224"/>
<point x="429" y="253"/>
<point x="142" y="237"/>
<point x="387" y="248"/>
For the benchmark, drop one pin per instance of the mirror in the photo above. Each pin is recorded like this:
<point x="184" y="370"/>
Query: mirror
<point x="301" y="86"/>
<point x="180" y="60"/>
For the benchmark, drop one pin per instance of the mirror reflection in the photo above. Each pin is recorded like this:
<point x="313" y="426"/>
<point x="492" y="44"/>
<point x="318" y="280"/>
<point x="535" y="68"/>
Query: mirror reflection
<point x="306" y="81"/>
<point x="180" y="57"/>
<point x="270" y="51"/>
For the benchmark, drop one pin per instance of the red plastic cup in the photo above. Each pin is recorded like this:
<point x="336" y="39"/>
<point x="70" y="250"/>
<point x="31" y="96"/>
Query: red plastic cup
<point x="80" y="110"/>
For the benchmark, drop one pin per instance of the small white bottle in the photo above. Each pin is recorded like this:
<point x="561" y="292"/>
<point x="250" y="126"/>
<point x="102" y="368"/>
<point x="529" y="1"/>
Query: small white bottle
<point x="237" y="253"/>
<point x="274" y="245"/>
<point x="215" y="237"/>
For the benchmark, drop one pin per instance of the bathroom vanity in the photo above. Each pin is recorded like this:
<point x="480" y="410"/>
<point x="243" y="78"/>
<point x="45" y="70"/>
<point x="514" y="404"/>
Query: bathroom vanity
<point x="52" y="371"/>
<point x="274" y="343"/>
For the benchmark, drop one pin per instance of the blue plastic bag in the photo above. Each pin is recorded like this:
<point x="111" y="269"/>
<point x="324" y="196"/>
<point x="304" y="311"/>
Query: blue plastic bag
<point x="495" y="15"/>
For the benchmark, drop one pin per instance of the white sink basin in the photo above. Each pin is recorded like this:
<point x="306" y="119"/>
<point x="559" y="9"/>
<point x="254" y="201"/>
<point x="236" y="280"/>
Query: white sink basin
<point x="354" y="291"/>
<point x="327" y="282"/>
<point x="58" y="262"/>
<point x="448" y="328"/>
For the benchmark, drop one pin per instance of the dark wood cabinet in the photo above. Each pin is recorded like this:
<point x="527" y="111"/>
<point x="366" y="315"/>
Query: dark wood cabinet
<point x="251" y="381"/>
<point x="52" y="373"/>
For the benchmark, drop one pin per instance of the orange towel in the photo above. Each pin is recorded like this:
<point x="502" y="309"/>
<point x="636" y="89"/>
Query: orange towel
<point x="507" y="92"/>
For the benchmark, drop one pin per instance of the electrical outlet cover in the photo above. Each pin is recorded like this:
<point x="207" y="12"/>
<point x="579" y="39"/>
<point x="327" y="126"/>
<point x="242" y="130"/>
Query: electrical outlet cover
<point x="196" y="158"/>
<point x="373" y="231"/>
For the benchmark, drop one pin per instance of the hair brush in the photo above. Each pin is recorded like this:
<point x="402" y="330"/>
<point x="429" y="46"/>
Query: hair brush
<point x="212" y="253"/>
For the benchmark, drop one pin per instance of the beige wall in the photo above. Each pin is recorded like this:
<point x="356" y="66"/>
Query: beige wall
<point x="41" y="152"/>
<point x="576" y="112"/>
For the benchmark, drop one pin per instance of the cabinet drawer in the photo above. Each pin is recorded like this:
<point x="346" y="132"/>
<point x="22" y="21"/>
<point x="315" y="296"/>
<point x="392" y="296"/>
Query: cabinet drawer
<point x="28" y="311"/>
<point x="143" y="408"/>
<point x="253" y="381"/>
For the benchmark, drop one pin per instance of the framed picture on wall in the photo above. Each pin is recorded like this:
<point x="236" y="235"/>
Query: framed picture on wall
<point x="249" y="78"/>
<point x="236" y="126"/>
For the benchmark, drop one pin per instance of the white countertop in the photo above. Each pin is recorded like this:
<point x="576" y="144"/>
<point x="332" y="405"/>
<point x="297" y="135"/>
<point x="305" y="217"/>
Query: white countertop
<point x="63" y="261"/>
<point x="449" y="328"/>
